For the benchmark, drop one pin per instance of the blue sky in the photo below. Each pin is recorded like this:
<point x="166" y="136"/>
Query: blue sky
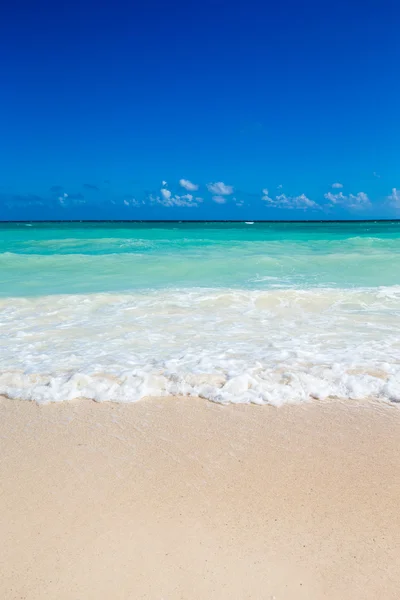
<point x="261" y="107"/>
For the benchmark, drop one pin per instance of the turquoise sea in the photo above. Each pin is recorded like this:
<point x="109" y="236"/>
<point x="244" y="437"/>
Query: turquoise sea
<point x="234" y="312"/>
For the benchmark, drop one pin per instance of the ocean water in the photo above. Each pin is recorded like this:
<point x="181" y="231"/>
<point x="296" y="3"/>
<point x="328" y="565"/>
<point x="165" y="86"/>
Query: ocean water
<point x="266" y="312"/>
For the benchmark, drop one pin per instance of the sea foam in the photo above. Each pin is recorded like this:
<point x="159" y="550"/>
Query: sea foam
<point x="226" y="345"/>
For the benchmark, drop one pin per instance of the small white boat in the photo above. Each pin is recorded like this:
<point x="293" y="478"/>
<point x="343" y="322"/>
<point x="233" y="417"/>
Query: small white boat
<point x="249" y="222"/>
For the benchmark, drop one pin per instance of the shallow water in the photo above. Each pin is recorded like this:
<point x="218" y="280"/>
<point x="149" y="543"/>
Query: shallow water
<point x="265" y="313"/>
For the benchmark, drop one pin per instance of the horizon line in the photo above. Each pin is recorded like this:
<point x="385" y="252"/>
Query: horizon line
<point x="199" y="221"/>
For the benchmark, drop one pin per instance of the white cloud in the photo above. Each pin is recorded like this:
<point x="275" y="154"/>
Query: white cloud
<point x="301" y="201"/>
<point x="220" y="189"/>
<point x="266" y="197"/>
<point x="279" y="187"/>
<point x="219" y="199"/>
<point x="185" y="200"/>
<point x="168" y="200"/>
<point x="359" y="200"/>
<point x="164" y="183"/>
<point x="132" y="202"/>
<point x="188" y="185"/>
<point x="166" y="194"/>
<point x="337" y="185"/>
<point x="289" y="202"/>
<point x="375" y="174"/>
<point x="394" y="198"/>
<point x="62" y="198"/>
<point x="336" y="198"/>
<point x="352" y="201"/>
<point x="71" y="199"/>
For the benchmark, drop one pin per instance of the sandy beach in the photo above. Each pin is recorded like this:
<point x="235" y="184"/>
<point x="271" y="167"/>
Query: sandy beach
<point x="180" y="498"/>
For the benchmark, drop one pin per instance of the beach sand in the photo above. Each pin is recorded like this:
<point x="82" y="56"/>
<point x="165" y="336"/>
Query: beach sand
<point x="180" y="498"/>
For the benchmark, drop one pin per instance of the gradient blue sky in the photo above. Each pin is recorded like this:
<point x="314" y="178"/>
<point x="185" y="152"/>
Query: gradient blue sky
<point x="102" y="101"/>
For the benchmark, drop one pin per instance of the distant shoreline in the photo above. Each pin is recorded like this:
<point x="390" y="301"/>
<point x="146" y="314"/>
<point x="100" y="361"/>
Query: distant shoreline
<point x="255" y="221"/>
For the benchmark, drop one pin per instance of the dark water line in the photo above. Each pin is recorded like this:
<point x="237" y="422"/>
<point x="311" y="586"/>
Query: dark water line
<point x="311" y="221"/>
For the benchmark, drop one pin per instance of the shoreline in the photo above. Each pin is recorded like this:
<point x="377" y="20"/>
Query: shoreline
<point x="183" y="498"/>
